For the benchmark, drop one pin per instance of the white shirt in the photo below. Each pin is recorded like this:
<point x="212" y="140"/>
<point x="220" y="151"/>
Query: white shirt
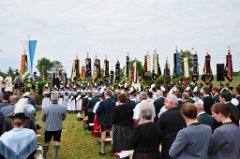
<point x="96" y="107"/>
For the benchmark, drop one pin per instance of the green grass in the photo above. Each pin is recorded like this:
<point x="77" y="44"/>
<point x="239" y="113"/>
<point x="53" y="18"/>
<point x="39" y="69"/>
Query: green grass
<point x="76" y="143"/>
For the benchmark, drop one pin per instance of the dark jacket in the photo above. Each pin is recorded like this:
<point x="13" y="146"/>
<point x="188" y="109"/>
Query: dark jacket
<point x="208" y="102"/>
<point x="158" y="104"/>
<point x="206" y="119"/>
<point x="105" y="109"/>
<point x="122" y="115"/>
<point x="170" y="123"/>
<point x="146" y="138"/>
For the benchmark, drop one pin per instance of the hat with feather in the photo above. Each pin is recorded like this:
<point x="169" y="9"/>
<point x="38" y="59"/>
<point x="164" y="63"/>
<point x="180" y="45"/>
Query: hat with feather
<point x="20" y="107"/>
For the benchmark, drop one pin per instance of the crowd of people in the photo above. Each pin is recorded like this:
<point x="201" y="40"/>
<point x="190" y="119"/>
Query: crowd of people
<point x="156" y="123"/>
<point x="18" y="126"/>
<point x="153" y="123"/>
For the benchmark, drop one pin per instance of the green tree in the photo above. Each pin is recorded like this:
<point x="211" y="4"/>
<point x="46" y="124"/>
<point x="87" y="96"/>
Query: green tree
<point x="44" y="65"/>
<point x="57" y="65"/>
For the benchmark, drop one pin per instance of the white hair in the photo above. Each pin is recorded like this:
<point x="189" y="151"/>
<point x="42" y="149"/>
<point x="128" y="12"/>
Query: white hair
<point x="172" y="98"/>
<point x="199" y="104"/>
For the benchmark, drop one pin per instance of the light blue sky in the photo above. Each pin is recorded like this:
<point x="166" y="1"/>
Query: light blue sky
<point x="65" y="28"/>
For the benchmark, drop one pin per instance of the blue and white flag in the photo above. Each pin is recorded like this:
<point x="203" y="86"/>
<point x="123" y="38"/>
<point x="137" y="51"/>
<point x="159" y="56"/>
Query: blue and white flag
<point x="29" y="48"/>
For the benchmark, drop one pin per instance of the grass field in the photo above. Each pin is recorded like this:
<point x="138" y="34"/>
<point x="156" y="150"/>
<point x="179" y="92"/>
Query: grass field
<point x="76" y="143"/>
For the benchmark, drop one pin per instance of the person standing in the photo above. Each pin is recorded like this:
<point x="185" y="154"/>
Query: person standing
<point x="189" y="142"/>
<point x="225" y="141"/>
<point x="8" y="81"/>
<point x="143" y="103"/>
<point x="170" y="123"/>
<point x="53" y="116"/>
<point x="237" y="96"/>
<point x="225" y="98"/>
<point x="158" y="103"/>
<point x="104" y="113"/>
<point x="207" y="100"/>
<point x="18" y="143"/>
<point x="202" y="116"/>
<point x="146" y="137"/>
<point x="216" y="96"/>
<point x="122" y="125"/>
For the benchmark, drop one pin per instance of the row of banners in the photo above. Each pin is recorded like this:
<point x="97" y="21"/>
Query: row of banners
<point x="181" y="69"/>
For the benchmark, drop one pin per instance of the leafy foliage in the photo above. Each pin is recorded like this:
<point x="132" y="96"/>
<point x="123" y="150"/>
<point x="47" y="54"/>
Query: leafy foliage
<point x="44" y="66"/>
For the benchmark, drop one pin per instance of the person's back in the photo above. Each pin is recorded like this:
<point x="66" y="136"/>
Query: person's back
<point x="158" y="104"/>
<point x="206" y="119"/>
<point x="208" y="102"/>
<point x="225" y="142"/>
<point x="8" y="109"/>
<point x="53" y="117"/>
<point x="190" y="143"/>
<point x="21" y="142"/>
<point x="146" y="138"/>
<point x="170" y="122"/>
<point x="123" y="115"/>
<point x="18" y="143"/>
<point x="104" y="110"/>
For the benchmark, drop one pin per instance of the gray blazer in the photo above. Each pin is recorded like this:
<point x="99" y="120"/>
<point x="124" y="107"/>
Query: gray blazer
<point x="192" y="142"/>
<point x="225" y="143"/>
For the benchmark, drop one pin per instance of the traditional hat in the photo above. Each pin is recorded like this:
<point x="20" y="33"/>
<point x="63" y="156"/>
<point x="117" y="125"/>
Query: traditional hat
<point x="20" y="107"/>
<point x="8" y="89"/>
<point x="26" y="94"/>
<point x="46" y="85"/>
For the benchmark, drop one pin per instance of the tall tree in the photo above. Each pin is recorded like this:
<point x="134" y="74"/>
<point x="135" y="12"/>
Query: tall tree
<point x="57" y="65"/>
<point x="44" y="65"/>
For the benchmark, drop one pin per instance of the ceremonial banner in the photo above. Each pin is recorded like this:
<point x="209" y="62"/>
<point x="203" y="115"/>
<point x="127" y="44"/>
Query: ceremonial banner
<point x="177" y="72"/>
<point x="134" y="73"/>
<point x="29" y="48"/>
<point x="207" y="76"/>
<point x="82" y="72"/>
<point x="177" y="63"/>
<point x="228" y="68"/>
<point x="24" y="71"/>
<point x="77" y="67"/>
<point x="156" y="67"/>
<point x="96" y="70"/>
<point x="186" y="73"/>
<point x="106" y="68"/>
<point x="73" y="74"/>
<point x="147" y="65"/>
<point x="88" y="67"/>
<point x="167" y="76"/>
<point x="127" y="67"/>
<point x="117" y="72"/>
<point x="112" y="76"/>
<point x="32" y="47"/>
<point x="195" y="75"/>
